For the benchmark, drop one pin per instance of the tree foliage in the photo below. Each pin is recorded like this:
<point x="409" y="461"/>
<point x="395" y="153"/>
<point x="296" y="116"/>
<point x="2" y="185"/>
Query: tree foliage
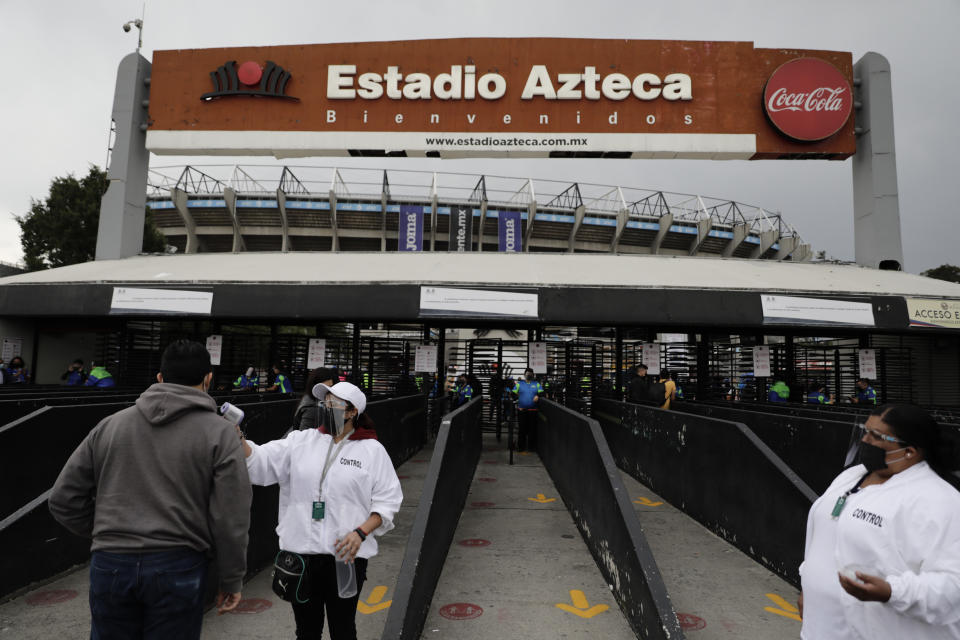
<point x="947" y="272"/>
<point x="62" y="229"/>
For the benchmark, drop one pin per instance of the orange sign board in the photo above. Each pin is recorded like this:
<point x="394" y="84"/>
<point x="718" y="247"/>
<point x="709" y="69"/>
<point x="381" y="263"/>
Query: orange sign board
<point x="485" y="97"/>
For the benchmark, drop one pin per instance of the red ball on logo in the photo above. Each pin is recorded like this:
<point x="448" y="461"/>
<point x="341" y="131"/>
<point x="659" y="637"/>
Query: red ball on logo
<point x="808" y="99"/>
<point x="249" y="73"/>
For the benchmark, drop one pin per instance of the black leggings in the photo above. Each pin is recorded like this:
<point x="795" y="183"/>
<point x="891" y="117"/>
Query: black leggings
<point x="341" y="612"/>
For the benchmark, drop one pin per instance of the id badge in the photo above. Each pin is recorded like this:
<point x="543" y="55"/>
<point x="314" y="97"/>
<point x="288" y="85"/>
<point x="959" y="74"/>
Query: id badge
<point x="318" y="510"/>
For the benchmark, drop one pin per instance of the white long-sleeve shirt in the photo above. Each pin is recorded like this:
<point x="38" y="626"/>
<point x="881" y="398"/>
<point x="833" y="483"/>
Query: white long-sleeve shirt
<point x="907" y="531"/>
<point x="361" y="480"/>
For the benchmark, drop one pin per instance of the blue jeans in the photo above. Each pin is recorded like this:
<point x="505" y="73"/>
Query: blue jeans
<point x="147" y="595"/>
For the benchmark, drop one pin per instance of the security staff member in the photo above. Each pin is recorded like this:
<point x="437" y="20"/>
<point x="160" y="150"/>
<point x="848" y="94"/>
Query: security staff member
<point x="99" y="377"/>
<point x="779" y="392"/>
<point x="281" y="382"/>
<point x="865" y="393"/>
<point x="528" y="393"/>
<point x="247" y="380"/>
<point x="74" y="375"/>
<point x="819" y="396"/>
<point x="463" y="391"/>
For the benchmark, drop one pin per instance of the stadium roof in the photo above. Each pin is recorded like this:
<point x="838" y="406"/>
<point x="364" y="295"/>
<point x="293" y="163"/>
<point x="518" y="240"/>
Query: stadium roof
<point x="572" y="288"/>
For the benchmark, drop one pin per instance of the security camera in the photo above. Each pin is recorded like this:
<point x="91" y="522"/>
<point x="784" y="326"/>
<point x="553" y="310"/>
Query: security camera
<point x="126" y="27"/>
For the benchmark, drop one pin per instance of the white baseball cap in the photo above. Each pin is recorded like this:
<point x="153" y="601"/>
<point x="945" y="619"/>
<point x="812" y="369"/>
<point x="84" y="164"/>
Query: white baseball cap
<point x="345" y="391"/>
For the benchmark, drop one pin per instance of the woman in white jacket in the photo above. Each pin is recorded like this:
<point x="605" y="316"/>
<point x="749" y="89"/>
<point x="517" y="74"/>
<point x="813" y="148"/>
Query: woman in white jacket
<point x="882" y="557"/>
<point x="341" y="491"/>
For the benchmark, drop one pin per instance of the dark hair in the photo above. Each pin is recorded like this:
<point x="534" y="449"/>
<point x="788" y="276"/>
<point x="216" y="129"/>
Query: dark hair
<point x="915" y="426"/>
<point x="664" y="374"/>
<point x="866" y="380"/>
<point x="530" y="369"/>
<point x="185" y="362"/>
<point x="15" y="358"/>
<point x="361" y="420"/>
<point x="78" y="361"/>
<point x="641" y="366"/>
<point x="319" y="375"/>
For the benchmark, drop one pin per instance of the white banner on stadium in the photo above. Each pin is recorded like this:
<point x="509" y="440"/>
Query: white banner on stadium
<point x="792" y="309"/>
<point x="761" y="361"/>
<point x="868" y="364"/>
<point x="651" y="357"/>
<point x="167" y="301"/>
<point x="538" y="357"/>
<point x="425" y="360"/>
<point x="215" y="349"/>
<point x="316" y="353"/>
<point x="441" y="301"/>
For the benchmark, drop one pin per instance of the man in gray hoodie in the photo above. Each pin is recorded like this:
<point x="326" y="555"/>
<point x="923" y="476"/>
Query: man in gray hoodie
<point x="159" y="487"/>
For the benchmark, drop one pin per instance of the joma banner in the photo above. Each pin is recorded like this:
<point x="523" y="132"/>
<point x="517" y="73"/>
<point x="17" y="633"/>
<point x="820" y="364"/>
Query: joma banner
<point x="410" y="229"/>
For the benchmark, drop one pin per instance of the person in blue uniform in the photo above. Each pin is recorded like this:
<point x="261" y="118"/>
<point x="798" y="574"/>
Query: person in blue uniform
<point x="99" y="377"/>
<point x="779" y="392"/>
<point x="74" y="375"/>
<point x="528" y="392"/>
<point x="248" y="380"/>
<point x="865" y="393"/>
<point x="17" y="372"/>
<point x="281" y="382"/>
<point x="463" y="390"/>
<point x="820" y="395"/>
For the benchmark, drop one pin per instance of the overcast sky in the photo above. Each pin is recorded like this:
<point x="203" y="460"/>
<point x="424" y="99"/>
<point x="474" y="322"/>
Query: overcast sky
<point x="62" y="57"/>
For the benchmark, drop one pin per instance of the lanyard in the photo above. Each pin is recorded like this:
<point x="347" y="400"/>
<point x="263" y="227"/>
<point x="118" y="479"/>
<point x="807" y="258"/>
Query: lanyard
<point x="331" y="454"/>
<point x="842" y="500"/>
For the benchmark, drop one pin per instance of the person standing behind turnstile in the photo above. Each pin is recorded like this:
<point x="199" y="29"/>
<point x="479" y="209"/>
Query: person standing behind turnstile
<point x="247" y="380"/>
<point x="281" y="382"/>
<point x="865" y="393"/>
<point x="74" y="375"/>
<point x="462" y="391"/>
<point x="99" y="377"/>
<point x="528" y="393"/>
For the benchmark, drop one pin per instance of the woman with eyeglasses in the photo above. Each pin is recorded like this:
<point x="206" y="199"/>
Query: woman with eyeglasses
<point x="338" y="491"/>
<point x="882" y="557"/>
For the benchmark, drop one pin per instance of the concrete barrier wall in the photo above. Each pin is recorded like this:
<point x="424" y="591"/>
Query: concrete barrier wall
<point x="577" y="457"/>
<point x="814" y="448"/>
<point x="445" y="489"/>
<point x="718" y="472"/>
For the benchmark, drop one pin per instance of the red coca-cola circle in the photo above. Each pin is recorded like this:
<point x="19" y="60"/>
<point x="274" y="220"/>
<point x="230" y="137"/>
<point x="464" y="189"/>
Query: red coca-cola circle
<point x="53" y="596"/>
<point x="249" y="73"/>
<point x="474" y="542"/>
<point x="252" y="605"/>
<point x="461" y="611"/>
<point x="808" y="99"/>
<point x="690" y="622"/>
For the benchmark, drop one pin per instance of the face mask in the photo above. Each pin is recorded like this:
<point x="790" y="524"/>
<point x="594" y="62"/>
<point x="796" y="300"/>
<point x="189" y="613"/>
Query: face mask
<point x="874" y="458"/>
<point x="334" y="418"/>
<point x="529" y="376"/>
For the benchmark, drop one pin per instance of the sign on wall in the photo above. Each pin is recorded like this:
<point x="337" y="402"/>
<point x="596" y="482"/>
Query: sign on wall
<point x="868" y="364"/>
<point x="477" y="303"/>
<point x="410" y="233"/>
<point x="425" y="360"/>
<point x="930" y="313"/>
<point x="215" y="349"/>
<point x="131" y="300"/>
<point x="761" y="361"/>
<point x="537" y="357"/>
<point x="316" y="353"/>
<point x="11" y="348"/>
<point x="509" y="231"/>
<point x="651" y="357"/>
<point x="821" y="311"/>
<point x="504" y="97"/>
<point x="461" y="229"/>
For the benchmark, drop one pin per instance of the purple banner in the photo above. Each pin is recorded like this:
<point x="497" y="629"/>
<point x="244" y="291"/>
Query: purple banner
<point x="410" y="229"/>
<point x="511" y="239"/>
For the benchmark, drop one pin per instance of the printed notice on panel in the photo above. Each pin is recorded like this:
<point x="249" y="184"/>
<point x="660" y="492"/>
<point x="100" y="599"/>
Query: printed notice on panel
<point x="817" y="311"/>
<point x="477" y="303"/>
<point x="935" y="314"/>
<point x="130" y="300"/>
<point x="425" y="360"/>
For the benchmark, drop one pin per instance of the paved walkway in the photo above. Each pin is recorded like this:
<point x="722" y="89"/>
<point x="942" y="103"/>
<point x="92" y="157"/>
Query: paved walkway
<point x="518" y="568"/>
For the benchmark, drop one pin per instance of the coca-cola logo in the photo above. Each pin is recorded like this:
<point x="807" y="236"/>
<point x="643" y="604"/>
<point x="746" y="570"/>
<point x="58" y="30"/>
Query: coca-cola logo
<point x="808" y="99"/>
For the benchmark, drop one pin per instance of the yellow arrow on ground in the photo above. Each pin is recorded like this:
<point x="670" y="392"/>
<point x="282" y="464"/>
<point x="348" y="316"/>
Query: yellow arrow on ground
<point x="542" y="499"/>
<point x="786" y="609"/>
<point x="647" y="502"/>
<point x="373" y="604"/>
<point x="580" y="606"/>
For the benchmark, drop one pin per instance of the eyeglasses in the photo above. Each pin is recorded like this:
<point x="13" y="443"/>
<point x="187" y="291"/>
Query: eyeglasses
<point x="876" y="435"/>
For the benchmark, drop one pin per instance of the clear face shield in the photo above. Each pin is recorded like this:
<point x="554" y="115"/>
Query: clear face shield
<point x="334" y="414"/>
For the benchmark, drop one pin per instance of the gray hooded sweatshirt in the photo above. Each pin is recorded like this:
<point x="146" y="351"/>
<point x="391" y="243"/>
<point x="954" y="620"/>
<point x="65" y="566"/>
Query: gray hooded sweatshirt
<point x="165" y="473"/>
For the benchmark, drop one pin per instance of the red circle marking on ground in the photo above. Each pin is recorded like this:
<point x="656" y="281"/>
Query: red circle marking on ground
<point x="491" y="462"/>
<point x="690" y="622"/>
<point x="47" y="598"/>
<point x="461" y="611"/>
<point x="249" y="73"/>
<point x="252" y="605"/>
<point x="480" y="505"/>
<point x="474" y="542"/>
<point x="487" y="479"/>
